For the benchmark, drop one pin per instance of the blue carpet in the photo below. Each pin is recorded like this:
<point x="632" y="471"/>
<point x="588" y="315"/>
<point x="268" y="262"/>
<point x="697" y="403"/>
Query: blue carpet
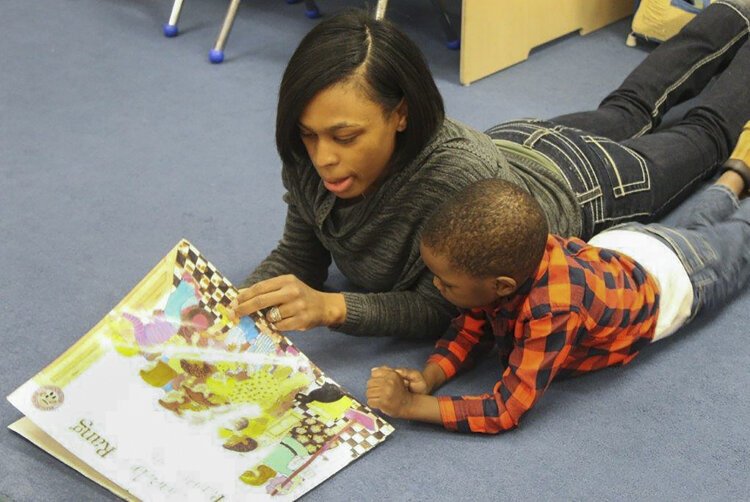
<point x="116" y="142"/>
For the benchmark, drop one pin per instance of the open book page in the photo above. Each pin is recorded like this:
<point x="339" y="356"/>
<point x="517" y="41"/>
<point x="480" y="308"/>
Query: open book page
<point x="168" y="397"/>
<point x="26" y="428"/>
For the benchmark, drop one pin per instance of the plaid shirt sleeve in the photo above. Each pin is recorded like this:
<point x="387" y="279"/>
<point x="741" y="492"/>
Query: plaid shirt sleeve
<point x="536" y="357"/>
<point x="470" y="336"/>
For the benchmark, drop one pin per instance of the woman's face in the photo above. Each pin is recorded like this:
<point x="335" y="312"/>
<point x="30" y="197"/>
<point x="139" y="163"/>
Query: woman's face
<point x="349" y="138"/>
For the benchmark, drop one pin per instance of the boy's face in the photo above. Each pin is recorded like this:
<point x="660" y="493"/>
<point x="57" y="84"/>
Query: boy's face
<point x="461" y="289"/>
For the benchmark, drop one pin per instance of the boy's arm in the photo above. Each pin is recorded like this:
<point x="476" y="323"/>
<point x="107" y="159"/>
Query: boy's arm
<point x="534" y="361"/>
<point x="404" y="392"/>
<point x="388" y="391"/>
<point x="469" y="336"/>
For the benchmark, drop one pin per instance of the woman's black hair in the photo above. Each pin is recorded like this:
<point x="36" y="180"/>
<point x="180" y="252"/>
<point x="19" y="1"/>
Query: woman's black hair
<point x="391" y="65"/>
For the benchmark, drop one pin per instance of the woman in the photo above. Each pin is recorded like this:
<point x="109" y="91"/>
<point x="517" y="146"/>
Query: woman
<point x="368" y="153"/>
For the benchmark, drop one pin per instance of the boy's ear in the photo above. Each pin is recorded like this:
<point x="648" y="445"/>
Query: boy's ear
<point x="505" y="286"/>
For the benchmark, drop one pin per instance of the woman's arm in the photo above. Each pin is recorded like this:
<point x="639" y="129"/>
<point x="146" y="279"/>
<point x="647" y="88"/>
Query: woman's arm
<point x="420" y="312"/>
<point x="299" y="253"/>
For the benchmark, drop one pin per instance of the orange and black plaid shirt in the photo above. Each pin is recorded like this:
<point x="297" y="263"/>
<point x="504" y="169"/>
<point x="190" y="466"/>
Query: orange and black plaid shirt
<point x="586" y="308"/>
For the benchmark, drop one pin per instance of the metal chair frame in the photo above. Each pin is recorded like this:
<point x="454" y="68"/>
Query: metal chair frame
<point x="216" y="54"/>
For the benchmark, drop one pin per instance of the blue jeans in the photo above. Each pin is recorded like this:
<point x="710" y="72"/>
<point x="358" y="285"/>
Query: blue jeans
<point x="712" y="241"/>
<point x="620" y="168"/>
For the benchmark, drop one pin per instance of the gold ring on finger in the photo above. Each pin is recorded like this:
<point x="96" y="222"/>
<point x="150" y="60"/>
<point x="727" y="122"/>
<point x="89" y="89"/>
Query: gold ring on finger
<point x="274" y="315"/>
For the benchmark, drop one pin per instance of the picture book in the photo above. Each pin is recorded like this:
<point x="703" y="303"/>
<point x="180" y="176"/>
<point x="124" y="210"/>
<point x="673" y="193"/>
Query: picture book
<point x="171" y="398"/>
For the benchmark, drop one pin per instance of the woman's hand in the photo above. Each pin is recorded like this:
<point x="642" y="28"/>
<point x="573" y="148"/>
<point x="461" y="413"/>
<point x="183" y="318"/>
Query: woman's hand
<point x="300" y="307"/>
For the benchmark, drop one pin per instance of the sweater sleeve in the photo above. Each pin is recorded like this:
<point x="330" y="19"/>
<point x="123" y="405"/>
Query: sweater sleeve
<point x="420" y="312"/>
<point x="299" y="252"/>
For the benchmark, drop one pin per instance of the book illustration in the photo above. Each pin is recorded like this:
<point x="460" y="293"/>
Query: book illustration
<point x="169" y="397"/>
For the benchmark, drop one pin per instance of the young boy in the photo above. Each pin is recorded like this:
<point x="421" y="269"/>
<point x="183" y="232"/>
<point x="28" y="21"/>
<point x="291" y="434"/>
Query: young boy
<point x="559" y="307"/>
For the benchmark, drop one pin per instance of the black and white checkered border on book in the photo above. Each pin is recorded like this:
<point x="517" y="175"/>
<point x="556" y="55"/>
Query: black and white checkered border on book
<point x="214" y="288"/>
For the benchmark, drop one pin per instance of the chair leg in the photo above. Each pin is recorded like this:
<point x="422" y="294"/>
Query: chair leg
<point x="216" y="55"/>
<point x="453" y="40"/>
<point x="170" y="27"/>
<point x="311" y="9"/>
<point x="380" y="9"/>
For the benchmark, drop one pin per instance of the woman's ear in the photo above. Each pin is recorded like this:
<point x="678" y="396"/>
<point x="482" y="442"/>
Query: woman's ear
<point x="402" y="112"/>
<point x="505" y="286"/>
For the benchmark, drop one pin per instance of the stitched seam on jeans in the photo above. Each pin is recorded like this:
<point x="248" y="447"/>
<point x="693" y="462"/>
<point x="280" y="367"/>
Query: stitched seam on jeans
<point x="642" y="162"/>
<point x="553" y="166"/>
<point x="728" y="191"/>
<point x="702" y="282"/>
<point x="713" y="254"/>
<point x="643" y="185"/>
<point x="585" y="167"/>
<point x="592" y="199"/>
<point x="686" y="186"/>
<point x="589" y="196"/>
<point x="583" y="160"/>
<point x="538" y="134"/>
<point x="544" y="131"/>
<point x="504" y="126"/>
<point x="588" y="168"/>
<point x="587" y="181"/>
<point x="677" y="249"/>
<point x="693" y="69"/>
<point x="534" y="137"/>
<point x="739" y="13"/>
<point x="624" y="217"/>
<point x="536" y="130"/>
<point x="643" y="131"/>
<point x="689" y="73"/>
<point x="690" y="246"/>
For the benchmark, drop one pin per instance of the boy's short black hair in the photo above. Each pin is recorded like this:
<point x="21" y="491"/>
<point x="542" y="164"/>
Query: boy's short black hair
<point x="390" y="64"/>
<point x="492" y="228"/>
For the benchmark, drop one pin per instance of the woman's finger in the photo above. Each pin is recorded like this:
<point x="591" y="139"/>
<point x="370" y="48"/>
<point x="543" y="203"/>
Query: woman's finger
<point x="289" y="324"/>
<point x="276" y="298"/>
<point x="264" y="287"/>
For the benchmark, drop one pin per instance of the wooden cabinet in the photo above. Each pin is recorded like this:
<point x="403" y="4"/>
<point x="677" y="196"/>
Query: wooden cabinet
<point x="496" y="34"/>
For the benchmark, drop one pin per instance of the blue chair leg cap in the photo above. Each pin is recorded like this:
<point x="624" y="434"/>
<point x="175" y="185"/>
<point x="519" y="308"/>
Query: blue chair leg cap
<point x="170" y="30"/>
<point x="312" y="13"/>
<point x="216" y="56"/>
<point x="453" y="44"/>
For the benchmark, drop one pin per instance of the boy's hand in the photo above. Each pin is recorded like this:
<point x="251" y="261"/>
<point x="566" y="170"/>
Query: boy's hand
<point x="387" y="392"/>
<point x="414" y="380"/>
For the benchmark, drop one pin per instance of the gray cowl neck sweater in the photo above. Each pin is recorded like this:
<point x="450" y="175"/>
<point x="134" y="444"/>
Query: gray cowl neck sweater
<point x="375" y="241"/>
